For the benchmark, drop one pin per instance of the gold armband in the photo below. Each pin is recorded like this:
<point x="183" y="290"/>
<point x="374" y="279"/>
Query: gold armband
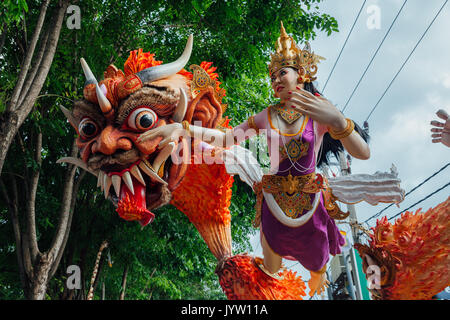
<point x="185" y="124"/>
<point x="252" y="124"/>
<point x="337" y="135"/>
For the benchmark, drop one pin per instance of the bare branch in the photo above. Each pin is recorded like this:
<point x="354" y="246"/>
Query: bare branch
<point x="69" y="223"/>
<point x="37" y="62"/>
<point x="12" y="118"/>
<point x="26" y="65"/>
<point x="124" y="283"/>
<point x="46" y="62"/>
<point x="64" y="212"/>
<point x="94" y="272"/>
<point x="31" y="199"/>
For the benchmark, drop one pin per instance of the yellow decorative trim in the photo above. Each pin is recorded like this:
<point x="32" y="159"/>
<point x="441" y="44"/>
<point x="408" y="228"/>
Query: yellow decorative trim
<point x="337" y="135"/>
<point x="274" y="184"/>
<point x="257" y="188"/>
<point x="302" y="128"/>
<point x="186" y="127"/>
<point x="161" y="169"/>
<point x="200" y="80"/>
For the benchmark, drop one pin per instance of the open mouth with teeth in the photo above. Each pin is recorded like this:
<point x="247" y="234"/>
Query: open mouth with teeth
<point x="135" y="190"/>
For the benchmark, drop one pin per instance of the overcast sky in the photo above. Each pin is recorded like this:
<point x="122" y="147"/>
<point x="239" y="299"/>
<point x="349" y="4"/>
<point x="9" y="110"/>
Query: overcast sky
<point x="400" y="125"/>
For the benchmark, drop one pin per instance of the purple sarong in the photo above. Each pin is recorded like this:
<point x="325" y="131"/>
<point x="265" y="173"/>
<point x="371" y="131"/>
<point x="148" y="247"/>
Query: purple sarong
<point x="312" y="243"/>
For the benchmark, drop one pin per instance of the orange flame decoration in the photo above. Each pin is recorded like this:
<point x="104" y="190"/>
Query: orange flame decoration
<point x="204" y="196"/>
<point x="138" y="61"/>
<point x="420" y="244"/>
<point x="241" y="279"/>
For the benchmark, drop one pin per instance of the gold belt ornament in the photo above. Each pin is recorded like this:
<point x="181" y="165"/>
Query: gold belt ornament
<point x="292" y="193"/>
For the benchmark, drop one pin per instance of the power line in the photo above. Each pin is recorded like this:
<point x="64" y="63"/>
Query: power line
<point x="401" y="68"/>
<point x="410" y="191"/>
<point x="423" y="199"/>
<point x="374" y="55"/>
<point x="342" y="49"/>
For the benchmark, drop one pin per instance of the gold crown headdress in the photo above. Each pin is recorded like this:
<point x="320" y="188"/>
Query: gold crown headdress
<point x="289" y="55"/>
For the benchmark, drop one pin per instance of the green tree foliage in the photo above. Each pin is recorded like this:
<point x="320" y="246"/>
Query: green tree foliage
<point x="167" y="259"/>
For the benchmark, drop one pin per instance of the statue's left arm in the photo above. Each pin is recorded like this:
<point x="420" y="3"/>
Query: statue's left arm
<point x="323" y="111"/>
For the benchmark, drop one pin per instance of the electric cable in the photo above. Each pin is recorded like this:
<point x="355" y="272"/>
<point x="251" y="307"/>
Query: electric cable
<point x="407" y="59"/>
<point x="342" y="49"/>
<point x="409" y="192"/>
<point x="421" y="200"/>
<point x="374" y="55"/>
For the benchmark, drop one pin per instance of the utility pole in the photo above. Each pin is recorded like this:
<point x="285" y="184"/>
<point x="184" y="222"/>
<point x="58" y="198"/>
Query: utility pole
<point x="344" y="164"/>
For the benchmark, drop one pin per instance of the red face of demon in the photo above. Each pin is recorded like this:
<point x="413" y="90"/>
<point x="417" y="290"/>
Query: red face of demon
<point x="138" y="176"/>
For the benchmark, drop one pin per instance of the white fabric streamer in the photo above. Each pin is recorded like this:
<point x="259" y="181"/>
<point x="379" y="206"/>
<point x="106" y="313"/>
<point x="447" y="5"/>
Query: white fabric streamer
<point x="372" y="188"/>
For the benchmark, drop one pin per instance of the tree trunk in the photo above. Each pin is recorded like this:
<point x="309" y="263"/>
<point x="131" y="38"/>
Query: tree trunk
<point x="36" y="267"/>
<point x="38" y="284"/>
<point x="15" y="114"/>
<point x="124" y="283"/>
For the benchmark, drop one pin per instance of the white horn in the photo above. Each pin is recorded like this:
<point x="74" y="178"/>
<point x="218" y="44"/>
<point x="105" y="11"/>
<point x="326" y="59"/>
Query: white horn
<point x="164" y="70"/>
<point x="103" y="101"/>
<point x="90" y="78"/>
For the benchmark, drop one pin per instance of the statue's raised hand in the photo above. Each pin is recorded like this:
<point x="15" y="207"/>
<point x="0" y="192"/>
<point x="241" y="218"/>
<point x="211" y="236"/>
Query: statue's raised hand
<point x="441" y="130"/>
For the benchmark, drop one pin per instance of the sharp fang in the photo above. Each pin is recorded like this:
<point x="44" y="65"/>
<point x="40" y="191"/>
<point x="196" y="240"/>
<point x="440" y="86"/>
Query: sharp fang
<point x="126" y="177"/>
<point x="100" y="180"/>
<point x="137" y="174"/>
<point x="163" y="155"/>
<point x="180" y="111"/>
<point x="152" y="174"/>
<point x="106" y="185"/>
<point x="116" y="184"/>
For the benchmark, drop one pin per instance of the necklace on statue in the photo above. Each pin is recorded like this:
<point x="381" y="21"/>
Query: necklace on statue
<point x="289" y="115"/>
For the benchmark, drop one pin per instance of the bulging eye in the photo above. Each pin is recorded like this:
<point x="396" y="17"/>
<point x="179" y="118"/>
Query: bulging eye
<point x="142" y="119"/>
<point x="87" y="128"/>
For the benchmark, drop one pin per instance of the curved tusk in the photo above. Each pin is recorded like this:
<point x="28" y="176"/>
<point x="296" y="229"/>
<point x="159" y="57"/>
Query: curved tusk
<point x="77" y="162"/>
<point x="163" y="155"/>
<point x="165" y="70"/>
<point x="90" y="78"/>
<point x="103" y="101"/>
<point x="150" y="172"/>
<point x="69" y="116"/>
<point x="180" y="111"/>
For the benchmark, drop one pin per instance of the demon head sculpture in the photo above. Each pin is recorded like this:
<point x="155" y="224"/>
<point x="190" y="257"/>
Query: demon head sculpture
<point x="139" y="176"/>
